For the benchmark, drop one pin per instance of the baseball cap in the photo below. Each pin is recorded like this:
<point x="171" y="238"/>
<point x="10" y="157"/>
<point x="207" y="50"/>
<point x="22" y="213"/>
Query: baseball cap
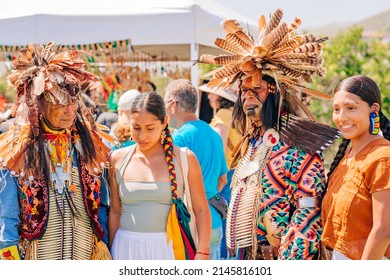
<point x="126" y="99"/>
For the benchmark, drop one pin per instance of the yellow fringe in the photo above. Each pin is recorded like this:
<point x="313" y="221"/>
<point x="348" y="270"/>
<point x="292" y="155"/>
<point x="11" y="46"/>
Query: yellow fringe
<point x="100" y="251"/>
<point x="174" y="234"/>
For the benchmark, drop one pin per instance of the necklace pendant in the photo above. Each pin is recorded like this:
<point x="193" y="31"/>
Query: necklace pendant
<point x="59" y="177"/>
<point x="60" y="188"/>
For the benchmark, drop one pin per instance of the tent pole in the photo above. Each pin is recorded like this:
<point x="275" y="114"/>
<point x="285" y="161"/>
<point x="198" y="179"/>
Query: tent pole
<point x="195" y="71"/>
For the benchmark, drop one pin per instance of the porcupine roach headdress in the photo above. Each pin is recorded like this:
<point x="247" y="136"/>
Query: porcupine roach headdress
<point x="288" y="58"/>
<point x="39" y="71"/>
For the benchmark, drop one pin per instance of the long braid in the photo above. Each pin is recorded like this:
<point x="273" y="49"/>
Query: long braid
<point x="168" y="148"/>
<point x="385" y="125"/>
<point x="340" y="153"/>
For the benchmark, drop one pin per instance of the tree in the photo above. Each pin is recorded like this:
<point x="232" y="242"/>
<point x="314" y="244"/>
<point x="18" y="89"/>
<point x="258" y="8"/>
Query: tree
<point x="351" y="54"/>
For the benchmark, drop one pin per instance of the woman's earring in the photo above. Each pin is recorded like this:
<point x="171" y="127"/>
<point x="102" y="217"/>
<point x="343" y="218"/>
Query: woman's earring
<point x="374" y="123"/>
<point x="163" y="135"/>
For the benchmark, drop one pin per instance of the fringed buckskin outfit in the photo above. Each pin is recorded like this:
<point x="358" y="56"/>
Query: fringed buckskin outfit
<point x="278" y="183"/>
<point x="64" y="217"/>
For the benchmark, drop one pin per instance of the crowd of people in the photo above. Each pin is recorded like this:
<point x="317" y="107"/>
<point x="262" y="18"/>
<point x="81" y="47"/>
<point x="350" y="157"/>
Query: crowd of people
<point x="76" y="183"/>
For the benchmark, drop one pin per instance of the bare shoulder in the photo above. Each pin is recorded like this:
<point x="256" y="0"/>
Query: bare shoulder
<point x="191" y="156"/>
<point x="117" y="155"/>
<point x="176" y="151"/>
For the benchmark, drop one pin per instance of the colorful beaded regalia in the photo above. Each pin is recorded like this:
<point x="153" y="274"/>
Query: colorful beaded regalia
<point x="277" y="185"/>
<point x="58" y="173"/>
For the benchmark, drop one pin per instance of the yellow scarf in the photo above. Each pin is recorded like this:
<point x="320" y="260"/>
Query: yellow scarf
<point x="59" y="144"/>
<point x="174" y="234"/>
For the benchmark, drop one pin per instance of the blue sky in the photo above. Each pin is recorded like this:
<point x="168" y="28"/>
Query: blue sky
<point x="312" y="12"/>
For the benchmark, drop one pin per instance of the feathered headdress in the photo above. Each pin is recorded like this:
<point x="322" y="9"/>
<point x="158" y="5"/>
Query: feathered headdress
<point x="3" y="103"/>
<point x="41" y="70"/>
<point x="290" y="59"/>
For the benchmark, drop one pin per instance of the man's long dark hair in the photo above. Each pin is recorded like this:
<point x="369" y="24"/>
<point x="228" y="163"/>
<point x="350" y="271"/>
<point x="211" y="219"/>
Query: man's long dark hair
<point x="269" y="111"/>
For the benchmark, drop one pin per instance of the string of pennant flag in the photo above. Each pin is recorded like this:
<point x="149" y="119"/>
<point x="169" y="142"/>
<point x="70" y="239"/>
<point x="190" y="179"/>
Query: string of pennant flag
<point x="8" y="52"/>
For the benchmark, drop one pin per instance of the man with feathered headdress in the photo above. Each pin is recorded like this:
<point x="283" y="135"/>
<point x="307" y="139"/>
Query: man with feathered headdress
<point x="53" y="196"/>
<point x="278" y="183"/>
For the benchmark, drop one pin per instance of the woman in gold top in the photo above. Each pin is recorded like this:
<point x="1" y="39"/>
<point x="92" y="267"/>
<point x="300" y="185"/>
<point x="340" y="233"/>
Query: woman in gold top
<point x="356" y="207"/>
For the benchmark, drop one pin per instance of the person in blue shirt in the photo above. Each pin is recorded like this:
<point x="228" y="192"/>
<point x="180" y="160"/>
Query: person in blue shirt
<point x="181" y="100"/>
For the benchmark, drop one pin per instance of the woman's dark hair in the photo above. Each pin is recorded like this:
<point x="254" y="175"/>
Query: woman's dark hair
<point x="150" y="101"/>
<point x="269" y="111"/>
<point x="363" y="87"/>
<point x="225" y="103"/>
<point x="368" y="91"/>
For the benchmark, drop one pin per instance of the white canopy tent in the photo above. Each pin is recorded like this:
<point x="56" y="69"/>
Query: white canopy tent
<point x="179" y="29"/>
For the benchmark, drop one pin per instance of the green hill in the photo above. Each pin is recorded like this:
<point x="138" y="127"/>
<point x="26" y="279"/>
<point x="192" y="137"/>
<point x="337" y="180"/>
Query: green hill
<point x="377" y="25"/>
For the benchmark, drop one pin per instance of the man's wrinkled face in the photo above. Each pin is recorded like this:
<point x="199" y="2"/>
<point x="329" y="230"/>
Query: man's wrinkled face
<point x="252" y="98"/>
<point x="60" y="116"/>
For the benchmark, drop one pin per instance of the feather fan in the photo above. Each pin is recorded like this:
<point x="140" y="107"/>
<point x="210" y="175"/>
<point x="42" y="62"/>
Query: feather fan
<point x="308" y="135"/>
